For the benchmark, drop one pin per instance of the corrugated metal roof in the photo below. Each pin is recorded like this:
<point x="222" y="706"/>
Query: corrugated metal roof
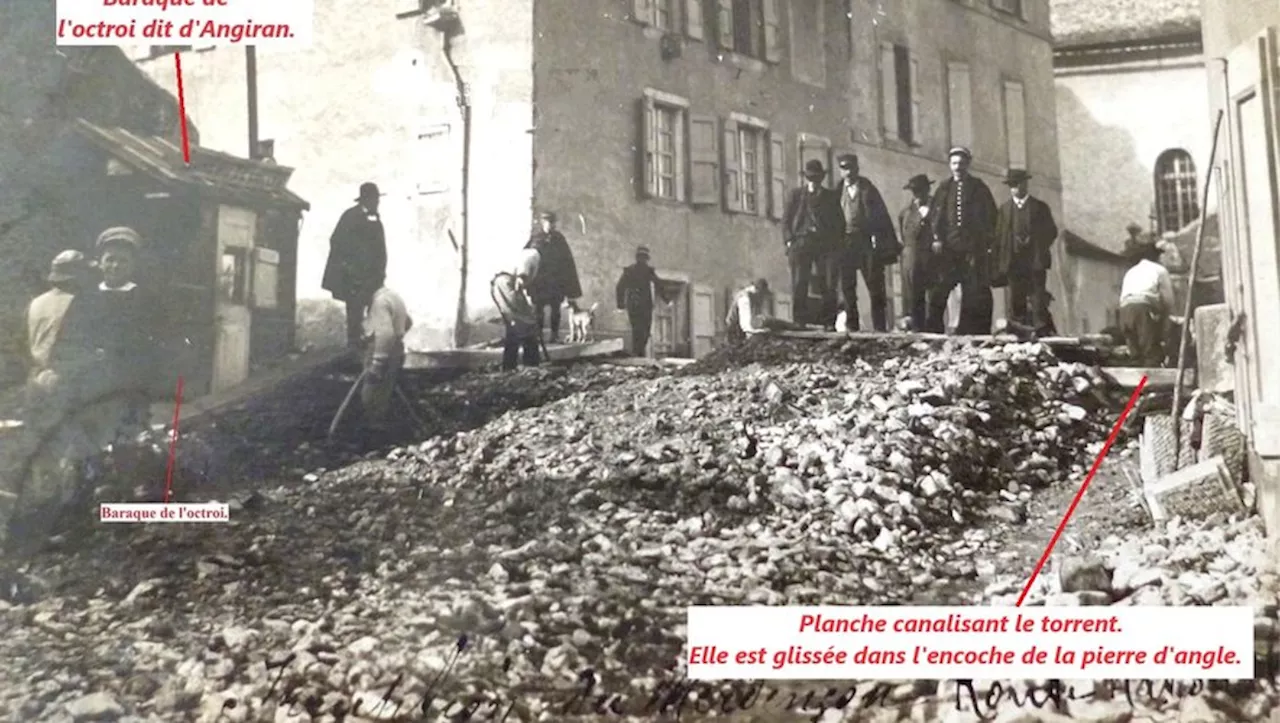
<point x="1094" y="22"/>
<point x="219" y="173"/>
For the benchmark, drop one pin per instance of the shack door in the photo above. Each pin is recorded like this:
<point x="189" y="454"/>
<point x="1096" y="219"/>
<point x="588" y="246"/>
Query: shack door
<point x="233" y="318"/>
<point x="703" y="319"/>
<point x="1251" y="81"/>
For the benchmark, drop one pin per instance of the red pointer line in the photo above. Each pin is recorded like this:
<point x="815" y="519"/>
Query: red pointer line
<point x="182" y="111"/>
<point x="173" y="447"/>
<point x="1115" y="432"/>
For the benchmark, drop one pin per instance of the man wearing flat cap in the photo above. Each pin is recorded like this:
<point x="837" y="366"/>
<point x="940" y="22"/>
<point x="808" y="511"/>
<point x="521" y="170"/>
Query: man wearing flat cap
<point x="811" y="228"/>
<point x="964" y="224"/>
<point x="557" y="278"/>
<point x="357" y="264"/>
<point x="915" y="224"/>
<point x="635" y="290"/>
<point x="870" y="244"/>
<point x="1025" y="232"/>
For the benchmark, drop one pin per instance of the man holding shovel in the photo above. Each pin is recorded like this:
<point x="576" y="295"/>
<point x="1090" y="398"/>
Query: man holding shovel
<point x="385" y="326"/>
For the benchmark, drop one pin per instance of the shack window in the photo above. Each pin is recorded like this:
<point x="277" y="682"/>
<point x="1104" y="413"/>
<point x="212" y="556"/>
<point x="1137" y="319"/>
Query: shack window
<point x="233" y="278"/>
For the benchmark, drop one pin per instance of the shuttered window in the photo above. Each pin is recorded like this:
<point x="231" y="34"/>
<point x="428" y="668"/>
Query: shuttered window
<point x="1015" y="124"/>
<point x="960" y="103"/>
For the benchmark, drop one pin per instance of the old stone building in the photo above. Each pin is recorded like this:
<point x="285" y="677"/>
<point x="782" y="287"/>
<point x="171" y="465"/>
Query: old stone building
<point x="1133" y="124"/>
<point x="677" y="124"/>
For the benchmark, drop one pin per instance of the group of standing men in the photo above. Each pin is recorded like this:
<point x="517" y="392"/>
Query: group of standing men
<point x="954" y="235"/>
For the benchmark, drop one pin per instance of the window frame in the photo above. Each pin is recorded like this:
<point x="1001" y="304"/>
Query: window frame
<point x="740" y="126"/>
<point x="1185" y="185"/>
<point x="653" y="102"/>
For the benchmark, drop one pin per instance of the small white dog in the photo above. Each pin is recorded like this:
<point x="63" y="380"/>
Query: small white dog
<point x="580" y="322"/>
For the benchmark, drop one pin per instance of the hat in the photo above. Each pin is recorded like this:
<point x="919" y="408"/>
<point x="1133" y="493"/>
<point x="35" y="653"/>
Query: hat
<point x="918" y="181"/>
<point x="761" y="284"/>
<point x="1016" y="176"/>
<point x="368" y="190"/>
<point x="66" y="266"/>
<point x="959" y="151"/>
<point x="814" y="169"/>
<point x="548" y="215"/>
<point x="1134" y="228"/>
<point x="642" y="251"/>
<point x="846" y="159"/>
<point x="118" y="236"/>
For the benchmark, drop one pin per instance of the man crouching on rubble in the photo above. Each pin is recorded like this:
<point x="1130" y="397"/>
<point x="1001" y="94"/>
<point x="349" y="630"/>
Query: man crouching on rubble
<point x="752" y="311"/>
<point x="385" y="324"/>
<point x="510" y="294"/>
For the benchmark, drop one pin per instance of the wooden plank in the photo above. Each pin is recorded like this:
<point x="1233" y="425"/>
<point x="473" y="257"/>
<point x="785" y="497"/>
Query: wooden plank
<point x="480" y="358"/>
<point x="257" y="384"/>
<point x="1128" y="377"/>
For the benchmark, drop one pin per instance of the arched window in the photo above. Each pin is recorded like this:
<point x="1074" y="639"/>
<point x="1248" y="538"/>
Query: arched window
<point x="1176" y="199"/>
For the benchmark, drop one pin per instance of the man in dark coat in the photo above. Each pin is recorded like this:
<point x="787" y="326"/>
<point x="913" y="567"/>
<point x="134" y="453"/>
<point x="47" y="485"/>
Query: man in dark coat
<point x="557" y="277"/>
<point x="1025" y="232"/>
<point x="870" y="244"/>
<point x="357" y="259"/>
<point x="811" y="228"/>
<point x="964" y="224"/>
<point x="635" y="292"/>
<point x="915" y="223"/>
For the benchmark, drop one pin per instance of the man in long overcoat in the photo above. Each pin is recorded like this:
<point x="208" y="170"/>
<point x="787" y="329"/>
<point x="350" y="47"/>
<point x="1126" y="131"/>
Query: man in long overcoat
<point x="557" y="278"/>
<point x="963" y="231"/>
<point x="1025" y="232"/>
<point x="870" y="244"/>
<point x="635" y="291"/>
<point x="357" y="259"/>
<point x="811" y="228"/>
<point x="915" y="223"/>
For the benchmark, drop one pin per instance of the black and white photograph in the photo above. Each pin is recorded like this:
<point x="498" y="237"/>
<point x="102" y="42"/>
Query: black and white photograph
<point x="442" y="361"/>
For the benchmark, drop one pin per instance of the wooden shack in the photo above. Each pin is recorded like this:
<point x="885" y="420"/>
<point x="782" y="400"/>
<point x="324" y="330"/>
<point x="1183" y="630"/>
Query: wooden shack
<point x="220" y="245"/>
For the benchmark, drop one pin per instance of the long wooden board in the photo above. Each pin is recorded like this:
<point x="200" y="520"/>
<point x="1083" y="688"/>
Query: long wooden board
<point x="473" y="358"/>
<point x="1157" y="378"/>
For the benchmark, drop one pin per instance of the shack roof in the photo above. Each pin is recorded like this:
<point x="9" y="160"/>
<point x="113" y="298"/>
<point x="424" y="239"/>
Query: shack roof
<point x="221" y="174"/>
<point x="1102" y="22"/>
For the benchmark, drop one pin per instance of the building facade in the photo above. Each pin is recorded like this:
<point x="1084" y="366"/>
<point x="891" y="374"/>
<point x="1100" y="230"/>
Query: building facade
<point x="1133" y="123"/>
<point x="675" y="124"/>
<point x="1242" y="67"/>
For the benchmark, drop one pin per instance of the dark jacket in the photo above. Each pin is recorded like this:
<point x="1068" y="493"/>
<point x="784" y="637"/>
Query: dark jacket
<point x="357" y="263"/>
<point x="1035" y="255"/>
<point x="635" y="288"/>
<point x="812" y="221"/>
<point x="979" y="210"/>
<point x="557" y="278"/>
<point x="879" y="221"/>
<point x="110" y="343"/>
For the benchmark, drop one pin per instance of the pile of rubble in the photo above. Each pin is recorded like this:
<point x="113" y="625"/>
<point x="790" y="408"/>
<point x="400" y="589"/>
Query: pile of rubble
<point x="563" y="538"/>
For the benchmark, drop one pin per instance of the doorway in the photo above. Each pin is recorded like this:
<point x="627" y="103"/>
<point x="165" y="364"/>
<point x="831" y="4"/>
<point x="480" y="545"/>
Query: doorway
<point x="232" y="318"/>
<point x="671" y="329"/>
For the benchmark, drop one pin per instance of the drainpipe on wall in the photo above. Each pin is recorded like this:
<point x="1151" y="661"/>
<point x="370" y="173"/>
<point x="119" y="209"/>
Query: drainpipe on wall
<point x="461" y="327"/>
<point x="251" y="82"/>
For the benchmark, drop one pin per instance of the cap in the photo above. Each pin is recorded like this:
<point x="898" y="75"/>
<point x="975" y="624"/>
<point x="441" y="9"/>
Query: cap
<point x="548" y="215"/>
<point x="118" y="236"/>
<point x="846" y="159"/>
<point x="960" y="151"/>
<point x="762" y="284"/>
<point x="67" y="265"/>
<point x="642" y="251"/>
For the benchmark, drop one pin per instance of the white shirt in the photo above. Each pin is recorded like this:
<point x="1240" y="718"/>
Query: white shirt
<point x="1020" y="202"/>
<point x="1147" y="282"/>
<point x="752" y="308"/>
<point x="127" y="287"/>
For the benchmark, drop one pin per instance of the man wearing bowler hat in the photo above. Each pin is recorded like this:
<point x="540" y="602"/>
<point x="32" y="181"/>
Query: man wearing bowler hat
<point x="917" y="240"/>
<point x="964" y="225"/>
<point x="811" y="228"/>
<point x="357" y="264"/>
<point x="1025" y="232"/>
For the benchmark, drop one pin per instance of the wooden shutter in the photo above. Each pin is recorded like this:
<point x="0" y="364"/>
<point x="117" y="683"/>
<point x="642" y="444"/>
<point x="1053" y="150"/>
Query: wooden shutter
<point x="960" y="102"/>
<point x="772" y="31"/>
<point x="778" y="176"/>
<point x="888" y="92"/>
<point x="917" y="133"/>
<point x="732" y="165"/>
<point x="782" y="306"/>
<point x="1015" y="124"/>
<point x="724" y="23"/>
<point x="703" y="316"/>
<point x="646" y="177"/>
<point x="704" y="161"/>
<point x="693" y="20"/>
<point x="642" y="11"/>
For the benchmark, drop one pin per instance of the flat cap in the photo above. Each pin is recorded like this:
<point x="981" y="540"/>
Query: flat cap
<point x="960" y="151"/>
<point x="118" y="235"/>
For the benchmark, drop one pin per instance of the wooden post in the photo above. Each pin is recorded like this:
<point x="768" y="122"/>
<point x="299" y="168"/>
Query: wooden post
<point x="1191" y="284"/>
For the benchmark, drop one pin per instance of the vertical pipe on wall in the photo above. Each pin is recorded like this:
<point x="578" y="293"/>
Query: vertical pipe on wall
<point x="251" y="82"/>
